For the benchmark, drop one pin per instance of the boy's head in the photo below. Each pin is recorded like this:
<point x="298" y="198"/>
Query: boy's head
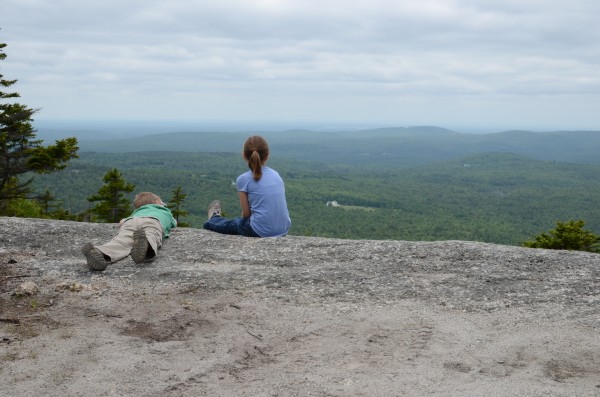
<point x="145" y="198"/>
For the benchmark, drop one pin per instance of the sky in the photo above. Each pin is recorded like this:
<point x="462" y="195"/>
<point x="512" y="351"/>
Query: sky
<point x="459" y="64"/>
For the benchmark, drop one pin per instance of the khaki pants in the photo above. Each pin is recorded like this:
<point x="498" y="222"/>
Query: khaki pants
<point x="120" y="246"/>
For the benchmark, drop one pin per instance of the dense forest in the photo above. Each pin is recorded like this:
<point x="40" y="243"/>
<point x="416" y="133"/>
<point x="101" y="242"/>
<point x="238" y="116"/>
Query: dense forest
<point x="397" y="147"/>
<point x="498" y="197"/>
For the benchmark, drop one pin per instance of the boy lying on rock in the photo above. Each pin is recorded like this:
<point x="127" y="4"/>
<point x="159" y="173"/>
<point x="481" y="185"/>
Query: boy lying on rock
<point x="140" y="235"/>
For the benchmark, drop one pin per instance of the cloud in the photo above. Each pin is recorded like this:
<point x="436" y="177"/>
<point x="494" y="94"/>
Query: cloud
<point x="354" y="58"/>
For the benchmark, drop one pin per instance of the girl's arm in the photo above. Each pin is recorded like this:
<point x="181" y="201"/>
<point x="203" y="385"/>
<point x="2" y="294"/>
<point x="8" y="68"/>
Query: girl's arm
<point x="244" y="204"/>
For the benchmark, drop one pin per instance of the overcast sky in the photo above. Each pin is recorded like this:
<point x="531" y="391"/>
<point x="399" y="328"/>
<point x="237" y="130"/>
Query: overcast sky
<point x="459" y="64"/>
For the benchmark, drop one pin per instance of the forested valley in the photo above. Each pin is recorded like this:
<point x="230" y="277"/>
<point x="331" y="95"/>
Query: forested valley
<point x="497" y="197"/>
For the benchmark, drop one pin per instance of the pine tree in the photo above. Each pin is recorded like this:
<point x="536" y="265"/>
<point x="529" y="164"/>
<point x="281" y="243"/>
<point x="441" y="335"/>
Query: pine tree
<point x="52" y="207"/>
<point x="566" y="236"/>
<point x="20" y="152"/>
<point x="112" y="203"/>
<point x="46" y="201"/>
<point x="176" y="204"/>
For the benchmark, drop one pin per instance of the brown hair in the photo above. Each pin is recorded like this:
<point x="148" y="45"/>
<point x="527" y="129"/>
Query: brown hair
<point x="145" y="198"/>
<point x="256" y="151"/>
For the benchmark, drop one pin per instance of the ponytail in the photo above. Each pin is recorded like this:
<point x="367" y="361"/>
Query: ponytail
<point x="256" y="151"/>
<point x="255" y="165"/>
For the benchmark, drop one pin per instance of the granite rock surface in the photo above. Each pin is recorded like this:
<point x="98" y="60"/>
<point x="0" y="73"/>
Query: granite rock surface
<point x="220" y="315"/>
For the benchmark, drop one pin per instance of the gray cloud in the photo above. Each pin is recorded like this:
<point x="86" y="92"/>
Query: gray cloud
<point x="382" y="61"/>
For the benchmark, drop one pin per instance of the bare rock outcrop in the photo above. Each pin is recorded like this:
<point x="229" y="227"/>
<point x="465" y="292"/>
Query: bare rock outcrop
<point x="223" y="315"/>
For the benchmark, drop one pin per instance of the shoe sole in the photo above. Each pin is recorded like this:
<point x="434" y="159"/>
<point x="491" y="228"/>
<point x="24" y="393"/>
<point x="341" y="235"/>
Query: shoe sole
<point x="95" y="258"/>
<point x="214" y="209"/>
<point x="139" y="249"/>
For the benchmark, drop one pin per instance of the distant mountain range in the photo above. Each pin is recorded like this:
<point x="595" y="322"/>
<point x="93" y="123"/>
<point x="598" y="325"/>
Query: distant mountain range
<point x="402" y="146"/>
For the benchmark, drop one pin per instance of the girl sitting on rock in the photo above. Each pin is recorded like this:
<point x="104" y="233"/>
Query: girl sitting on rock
<point x="262" y="198"/>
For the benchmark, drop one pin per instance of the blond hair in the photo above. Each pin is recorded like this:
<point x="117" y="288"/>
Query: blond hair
<point x="145" y="198"/>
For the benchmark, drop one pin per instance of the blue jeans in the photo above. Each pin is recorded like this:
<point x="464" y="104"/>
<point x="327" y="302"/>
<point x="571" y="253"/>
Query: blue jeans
<point x="239" y="226"/>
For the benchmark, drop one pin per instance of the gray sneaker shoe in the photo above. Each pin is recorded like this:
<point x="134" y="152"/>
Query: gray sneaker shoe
<point x="214" y="209"/>
<point x="139" y="249"/>
<point x="95" y="258"/>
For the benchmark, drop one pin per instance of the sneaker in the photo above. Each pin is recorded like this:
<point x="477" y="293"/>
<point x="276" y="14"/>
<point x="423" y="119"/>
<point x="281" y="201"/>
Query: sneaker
<point x="214" y="209"/>
<point x="95" y="258"/>
<point x="139" y="249"/>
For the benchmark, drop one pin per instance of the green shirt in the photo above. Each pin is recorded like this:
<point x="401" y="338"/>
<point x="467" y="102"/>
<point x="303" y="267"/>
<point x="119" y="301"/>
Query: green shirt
<point x="163" y="214"/>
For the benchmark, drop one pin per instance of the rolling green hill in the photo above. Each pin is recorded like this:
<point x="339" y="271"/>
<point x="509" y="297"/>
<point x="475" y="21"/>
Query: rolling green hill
<point x="402" y="147"/>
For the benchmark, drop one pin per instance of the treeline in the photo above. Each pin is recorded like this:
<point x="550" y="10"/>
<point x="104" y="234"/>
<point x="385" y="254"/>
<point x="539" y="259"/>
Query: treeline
<point x="495" y="197"/>
<point x="396" y="147"/>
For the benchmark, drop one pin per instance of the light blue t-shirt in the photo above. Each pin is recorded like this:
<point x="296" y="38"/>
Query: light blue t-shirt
<point x="269" y="213"/>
